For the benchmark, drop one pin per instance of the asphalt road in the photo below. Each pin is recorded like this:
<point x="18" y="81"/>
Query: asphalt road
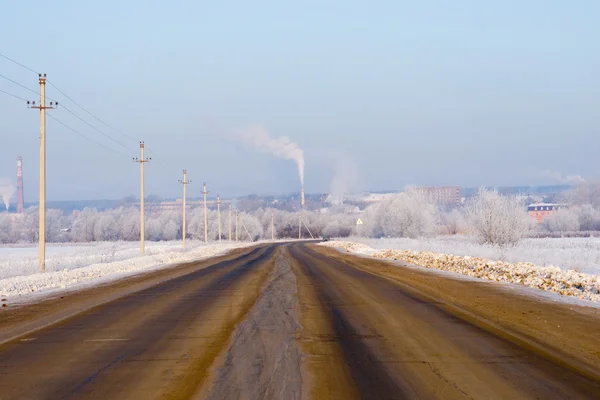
<point x="291" y="321"/>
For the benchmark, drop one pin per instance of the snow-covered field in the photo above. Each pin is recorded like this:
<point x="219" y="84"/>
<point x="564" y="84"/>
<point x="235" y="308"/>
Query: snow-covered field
<point x="77" y="265"/>
<point x="579" y="254"/>
<point x="531" y="264"/>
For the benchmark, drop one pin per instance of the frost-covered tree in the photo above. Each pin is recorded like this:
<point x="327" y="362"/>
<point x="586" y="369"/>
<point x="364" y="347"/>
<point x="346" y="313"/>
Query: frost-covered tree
<point x="128" y="221"/>
<point x="588" y="216"/>
<point x="407" y="214"/>
<point x="496" y="219"/>
<point x="6" y="229"/>
<point x="84" y="225"/>
<point x="565" y="220"/>
<point x="339" y="227"/>
<point x="454" y="222"/>
<point x="171" y="230"/>
<point x="584" y="193"/>
<point x="249" y="224"/>
<point x="56" y="224"/>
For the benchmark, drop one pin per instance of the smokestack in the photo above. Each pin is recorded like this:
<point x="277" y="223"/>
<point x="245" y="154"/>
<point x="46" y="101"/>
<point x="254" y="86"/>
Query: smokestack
<point x="20" y="198"/>
<point x="302" y="197"/>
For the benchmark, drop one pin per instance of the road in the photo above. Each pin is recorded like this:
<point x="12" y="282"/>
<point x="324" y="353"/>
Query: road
<point x="298" y="321"/>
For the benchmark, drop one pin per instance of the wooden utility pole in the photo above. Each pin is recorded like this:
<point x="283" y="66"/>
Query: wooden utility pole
<point x="219" y="215"/>
<point x="184" y="182"/>
<point x="205" y="215"/>
<point x="42" y="207"/>
<point x="142" y="160"/>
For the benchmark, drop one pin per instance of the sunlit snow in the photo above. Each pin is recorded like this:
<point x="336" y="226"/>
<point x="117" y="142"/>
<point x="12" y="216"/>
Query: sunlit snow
<point x="75" y="265"/>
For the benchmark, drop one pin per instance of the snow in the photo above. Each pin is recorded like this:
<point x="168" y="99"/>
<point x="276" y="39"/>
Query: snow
<point x="444" y="257"/>
<point x="579" y="254"/>
<point x="75" y="266"/>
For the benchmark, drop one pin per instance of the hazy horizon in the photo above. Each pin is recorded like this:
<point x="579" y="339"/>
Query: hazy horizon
<point x="375" y="96"/>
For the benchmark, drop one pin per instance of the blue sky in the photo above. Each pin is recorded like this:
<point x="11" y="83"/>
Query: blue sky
<point x="420" y="92"/>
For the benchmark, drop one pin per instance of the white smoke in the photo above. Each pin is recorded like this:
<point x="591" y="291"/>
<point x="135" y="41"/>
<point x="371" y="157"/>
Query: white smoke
<point x="281" y="147"/>
<point x="345" y="179"/>
<point x="558" y="177"/>
<point x="6" y="191"/>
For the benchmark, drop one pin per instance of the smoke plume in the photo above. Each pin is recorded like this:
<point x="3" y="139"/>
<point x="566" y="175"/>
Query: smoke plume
<point x="281" y="147"/>
<point x="558" y="177"/>
<point x="346" y="179"/>
<point x="6" y="191"/>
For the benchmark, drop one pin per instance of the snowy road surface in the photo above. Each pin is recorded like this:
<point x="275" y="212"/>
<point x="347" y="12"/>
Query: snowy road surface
<point x="298" y="321"/>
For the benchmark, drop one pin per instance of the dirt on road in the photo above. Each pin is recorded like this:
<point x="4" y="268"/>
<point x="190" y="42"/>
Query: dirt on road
<point x="263" y="360"/>
<point x="297" y="321"/>
<point x="375" y="330"/>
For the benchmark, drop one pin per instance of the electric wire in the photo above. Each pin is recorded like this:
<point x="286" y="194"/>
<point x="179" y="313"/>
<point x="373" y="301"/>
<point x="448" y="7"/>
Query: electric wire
<point x="18" y="84"/>
<point x="93" y="127"/>
<point x="18" y="63"/>
<point x="68" y="127"/>
<point x="23" y="86"/>
<point x="68" y="110"/>
<point x="13" y="95"/>
<point x="92" y="115"/>
<point x="84" y="136"/>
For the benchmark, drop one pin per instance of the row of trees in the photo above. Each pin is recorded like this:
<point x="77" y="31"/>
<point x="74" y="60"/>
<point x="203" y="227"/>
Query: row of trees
<point x="491" y="217"/>
<point x="582" y="213"/>
<point x="123" y="223"/>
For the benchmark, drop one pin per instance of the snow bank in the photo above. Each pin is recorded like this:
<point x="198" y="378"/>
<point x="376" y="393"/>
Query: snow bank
<point x="564" y="282"/>
<point x="71" y="266"/>
<point x="579" y="254"/>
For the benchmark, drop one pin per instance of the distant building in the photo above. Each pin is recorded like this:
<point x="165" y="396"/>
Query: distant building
<point x="539" y="211"/>
<point x="441" y="195"/>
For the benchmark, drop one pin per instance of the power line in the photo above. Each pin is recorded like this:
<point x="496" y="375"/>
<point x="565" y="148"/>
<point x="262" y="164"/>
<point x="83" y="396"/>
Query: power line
<point x="18" y="84"/>
<point x="13" y="95"/>
<point x="67" y="126"/>
<point x="23" y="86"/>
<point x="63" y="93"/>
<point x="84" y="136"/>
<point x="69" y="98"/>
<point x="18" y="63"/>
<point x="96" y="118"/>
<point x="94" y="128"/>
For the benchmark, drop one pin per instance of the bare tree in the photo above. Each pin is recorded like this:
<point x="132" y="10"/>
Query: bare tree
<point x="454" y="222"/>
<point x="407" y="214"/>
<point x="498" y="220"/>
<point x="565" y="220"/>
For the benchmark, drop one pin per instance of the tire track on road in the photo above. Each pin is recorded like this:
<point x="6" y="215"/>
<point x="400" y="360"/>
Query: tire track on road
<point x="158" y="358"/>
<point x="394" y="339"/>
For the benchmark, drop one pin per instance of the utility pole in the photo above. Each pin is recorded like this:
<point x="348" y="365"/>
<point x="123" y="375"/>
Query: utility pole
<point x="230" y="222"/>
<point x="236" y="225"/>
<point x="142" y="160"/>
<point x="184" y="182"/>
<point x="272" y="226"/>
<point x="219" y="215"/>
<point x="42" y="207"/>
<point x="205" y="216"/>
<point x="246" y="229"/>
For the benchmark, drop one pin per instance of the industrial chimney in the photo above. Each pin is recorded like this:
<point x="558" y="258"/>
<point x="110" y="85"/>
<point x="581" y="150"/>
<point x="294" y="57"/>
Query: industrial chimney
<point x="302" y="197"/>
<point x="20" y="199"/>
